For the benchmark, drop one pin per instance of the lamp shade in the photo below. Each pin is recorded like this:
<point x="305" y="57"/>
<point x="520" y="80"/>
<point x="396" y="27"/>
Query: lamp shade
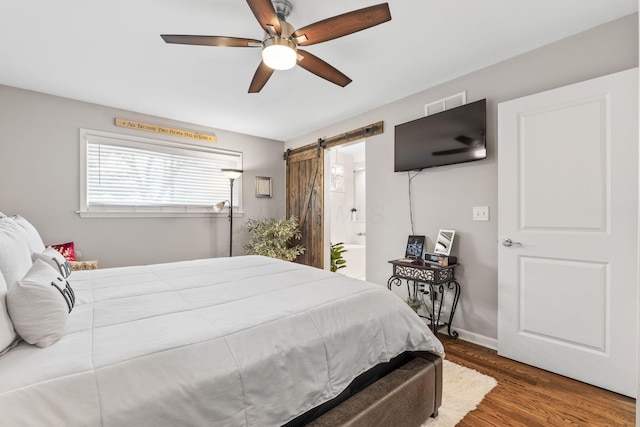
<point x="231" y="173"/>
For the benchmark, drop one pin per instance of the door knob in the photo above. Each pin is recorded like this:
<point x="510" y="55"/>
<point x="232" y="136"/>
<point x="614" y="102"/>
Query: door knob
<point x="508" y="242"/>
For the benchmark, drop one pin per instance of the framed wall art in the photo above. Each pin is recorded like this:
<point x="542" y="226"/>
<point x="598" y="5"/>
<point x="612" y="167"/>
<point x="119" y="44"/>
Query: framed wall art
<point x="263" y="186"/>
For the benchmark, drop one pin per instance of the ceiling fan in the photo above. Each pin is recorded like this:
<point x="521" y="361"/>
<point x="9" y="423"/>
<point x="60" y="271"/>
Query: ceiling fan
<point x="280" y="45"/>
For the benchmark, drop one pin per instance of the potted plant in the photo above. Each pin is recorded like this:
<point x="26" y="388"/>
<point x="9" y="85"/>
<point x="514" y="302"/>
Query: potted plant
<point x="414" y="303"/>
<point x="274" y="238"/>
<point x="337" y="260"/>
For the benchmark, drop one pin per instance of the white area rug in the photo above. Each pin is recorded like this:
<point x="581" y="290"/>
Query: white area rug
<point x="463" y="390"/>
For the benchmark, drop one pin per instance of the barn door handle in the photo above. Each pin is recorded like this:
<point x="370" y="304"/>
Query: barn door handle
<point x="508" y="242"/>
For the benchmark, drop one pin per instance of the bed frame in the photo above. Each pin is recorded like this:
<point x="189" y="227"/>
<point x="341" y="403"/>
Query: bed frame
<point x="405" y="391"/>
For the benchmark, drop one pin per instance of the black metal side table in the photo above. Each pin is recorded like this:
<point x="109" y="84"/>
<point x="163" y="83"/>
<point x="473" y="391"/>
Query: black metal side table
<point x="433" y="281"/>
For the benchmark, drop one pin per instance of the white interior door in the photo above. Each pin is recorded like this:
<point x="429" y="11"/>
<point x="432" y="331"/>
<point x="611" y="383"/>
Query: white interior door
<point x="568" y="201"/>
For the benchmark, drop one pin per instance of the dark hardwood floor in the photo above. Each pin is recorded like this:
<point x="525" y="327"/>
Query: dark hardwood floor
<point x="527" y="396"/>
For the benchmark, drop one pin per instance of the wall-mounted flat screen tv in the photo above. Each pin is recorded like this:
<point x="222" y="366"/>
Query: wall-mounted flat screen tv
<point x="452" y="136"/>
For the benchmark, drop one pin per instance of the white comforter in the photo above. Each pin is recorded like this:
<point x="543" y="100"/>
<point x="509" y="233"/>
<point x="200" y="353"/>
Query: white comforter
<point x="244" y="341"/>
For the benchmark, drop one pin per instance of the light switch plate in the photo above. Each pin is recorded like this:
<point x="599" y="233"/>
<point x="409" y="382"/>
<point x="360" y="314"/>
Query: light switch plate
<point x="481" y="213"/>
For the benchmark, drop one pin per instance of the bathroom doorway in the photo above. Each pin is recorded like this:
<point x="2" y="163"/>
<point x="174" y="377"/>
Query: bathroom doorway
<point x="346" y="184"/>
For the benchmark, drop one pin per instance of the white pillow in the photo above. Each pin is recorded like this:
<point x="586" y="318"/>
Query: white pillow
<point x="39" y="305"/>
<point x="7" y="333"/>
<point x="55" y="260"/>
<point x="15" y="261"/>
<point x="33" y="237"/>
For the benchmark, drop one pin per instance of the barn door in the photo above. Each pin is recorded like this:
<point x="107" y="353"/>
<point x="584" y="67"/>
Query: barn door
<point x="305" y="189"/>
<point x="305" y="200"/>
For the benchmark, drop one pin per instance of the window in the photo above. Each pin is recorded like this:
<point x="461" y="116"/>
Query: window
<point x="123" y="175"/>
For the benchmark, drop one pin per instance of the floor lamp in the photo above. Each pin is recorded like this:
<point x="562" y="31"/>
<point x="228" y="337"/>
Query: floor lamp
<point x="232" y="175"/>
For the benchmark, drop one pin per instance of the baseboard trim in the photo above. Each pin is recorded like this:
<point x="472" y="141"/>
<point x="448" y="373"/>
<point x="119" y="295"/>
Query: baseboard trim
<point x="474" y="338"/>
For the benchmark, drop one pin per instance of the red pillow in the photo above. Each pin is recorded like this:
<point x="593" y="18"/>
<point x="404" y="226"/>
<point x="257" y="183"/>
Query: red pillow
<point x="67" y="250"/>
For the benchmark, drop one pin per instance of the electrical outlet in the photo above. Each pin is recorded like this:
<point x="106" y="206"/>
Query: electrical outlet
<point x="481" y="213"/>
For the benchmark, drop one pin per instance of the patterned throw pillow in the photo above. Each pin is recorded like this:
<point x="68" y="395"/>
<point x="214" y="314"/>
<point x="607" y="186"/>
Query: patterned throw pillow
<point x="39" y="305"/>
<point x="54" y="259"/>
<point x="67" y="250"/>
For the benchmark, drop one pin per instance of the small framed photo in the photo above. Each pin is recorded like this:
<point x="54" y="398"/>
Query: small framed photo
<point x="415" y="245"/>
<point x="263" y="186"/>
<point x="444" y="242"/>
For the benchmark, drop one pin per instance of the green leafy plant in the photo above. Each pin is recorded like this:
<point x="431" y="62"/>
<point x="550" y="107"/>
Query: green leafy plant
<point x="414" y="303"/>
<point x="274" y="238"/>
<point x="337" y="260"/>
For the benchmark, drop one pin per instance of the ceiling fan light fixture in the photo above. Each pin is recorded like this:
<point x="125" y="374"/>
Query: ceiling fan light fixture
<point x="279" y="53"/>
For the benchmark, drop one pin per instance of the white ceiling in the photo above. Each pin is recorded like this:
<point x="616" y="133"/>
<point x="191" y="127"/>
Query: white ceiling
<point x="111" y="53"/>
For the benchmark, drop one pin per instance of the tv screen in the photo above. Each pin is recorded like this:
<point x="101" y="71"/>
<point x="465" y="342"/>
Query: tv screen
<point x="451" y="136"/>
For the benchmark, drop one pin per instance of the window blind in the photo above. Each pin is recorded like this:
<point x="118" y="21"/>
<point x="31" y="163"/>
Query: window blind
<point x="126" y="173"/>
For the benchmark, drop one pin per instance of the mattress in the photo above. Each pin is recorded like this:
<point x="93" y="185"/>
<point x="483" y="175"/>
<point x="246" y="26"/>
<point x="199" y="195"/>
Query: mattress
<point x="243" y="341"/>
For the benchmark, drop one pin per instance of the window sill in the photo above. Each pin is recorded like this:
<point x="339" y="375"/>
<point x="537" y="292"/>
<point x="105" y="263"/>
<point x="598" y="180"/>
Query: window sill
<point x="156" y="214"/>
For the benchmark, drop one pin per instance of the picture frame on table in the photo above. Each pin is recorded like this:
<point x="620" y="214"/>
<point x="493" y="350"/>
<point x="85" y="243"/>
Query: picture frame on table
<point x="444" y="242"/>
<point x="415" y="246"/>
<point x="263" y="186"/>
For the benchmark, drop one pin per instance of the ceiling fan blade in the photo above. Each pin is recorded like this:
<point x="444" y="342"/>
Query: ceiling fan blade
<point x="265" y="14"/>
<point x="317" y="66"/>
<point x="210" y="40"/>
<point x="260" y="78"/>
<point x="344" y="24"/>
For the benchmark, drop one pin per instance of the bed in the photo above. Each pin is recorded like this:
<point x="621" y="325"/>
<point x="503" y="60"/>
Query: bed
<point x="242" y="341"/>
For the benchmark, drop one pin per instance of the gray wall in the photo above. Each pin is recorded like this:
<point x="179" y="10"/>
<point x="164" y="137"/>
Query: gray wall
<point x="444" y="196"/>
<point x="39" y="173"/>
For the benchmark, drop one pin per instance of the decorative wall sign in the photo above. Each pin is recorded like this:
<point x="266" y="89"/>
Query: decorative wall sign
<point x="130" y="124"/>
<point x="263" y="186"/>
